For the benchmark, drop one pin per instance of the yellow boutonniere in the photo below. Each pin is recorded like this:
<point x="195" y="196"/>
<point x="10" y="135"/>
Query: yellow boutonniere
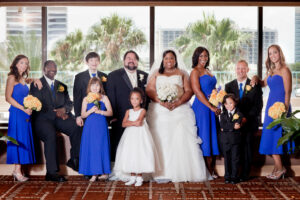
<point x="60" y="88"/>
<point x="103" y="79"/>
<point x="248" y="88"/>
<point x="235" y="117"/>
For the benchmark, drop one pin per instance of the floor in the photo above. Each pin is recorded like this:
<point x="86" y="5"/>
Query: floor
<point x="78" y="188"/>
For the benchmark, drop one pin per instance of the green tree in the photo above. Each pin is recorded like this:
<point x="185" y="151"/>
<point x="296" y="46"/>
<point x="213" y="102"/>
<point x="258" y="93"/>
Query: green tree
<point x="223" y="40"/>
<point x="295" y="66"/>
<point x="68" y="53"/>
<point x="112" y="36"/>
<point x="29" y="45"/>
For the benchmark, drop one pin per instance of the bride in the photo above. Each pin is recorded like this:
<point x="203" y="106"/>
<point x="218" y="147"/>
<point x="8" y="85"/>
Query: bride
<point x="173" y="125"/>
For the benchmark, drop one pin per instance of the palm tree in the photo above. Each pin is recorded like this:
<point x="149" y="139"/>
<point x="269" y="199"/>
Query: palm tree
<point x="221" y="38"/>
<point x="29" y="45"/>
<point x="68" y="53"/>
<point x="112" y="36"/>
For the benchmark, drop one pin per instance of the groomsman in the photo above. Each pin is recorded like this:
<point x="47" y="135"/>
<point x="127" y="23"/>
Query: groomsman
<point x="119" y="85"/>
<point x="250" y="104"/>
<point x="55" y="116"/>
<point x="81" y="82"/>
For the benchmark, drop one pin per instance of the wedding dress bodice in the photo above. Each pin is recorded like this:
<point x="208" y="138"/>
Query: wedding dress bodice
<point x="174" y="79"/>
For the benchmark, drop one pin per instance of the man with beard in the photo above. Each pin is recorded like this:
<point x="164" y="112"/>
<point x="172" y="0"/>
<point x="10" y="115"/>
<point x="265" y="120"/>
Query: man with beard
<point x="119" y="85"/>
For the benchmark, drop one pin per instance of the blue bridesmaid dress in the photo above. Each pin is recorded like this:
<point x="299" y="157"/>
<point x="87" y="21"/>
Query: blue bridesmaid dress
<point x="269" y="137"/>
<point x="206" y="119"/>
<point x="94" y="158"/>
<point x="19" y="128"/>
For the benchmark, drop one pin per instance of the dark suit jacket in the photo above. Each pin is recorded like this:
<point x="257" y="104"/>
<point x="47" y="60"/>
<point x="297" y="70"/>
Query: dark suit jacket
<point x="62" y="99"/>
<point x="80" y="86"/>
<point x="119" y="88"/>
<point x="250" y="105"/>
<point x="228" y="134"/>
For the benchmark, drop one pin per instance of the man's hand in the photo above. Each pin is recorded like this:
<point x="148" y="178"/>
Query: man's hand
<point x="79" y="121"/>
<point x="61" y="113"/>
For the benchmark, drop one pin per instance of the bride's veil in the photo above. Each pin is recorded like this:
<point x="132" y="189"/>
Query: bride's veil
<point x="157" y="62"/>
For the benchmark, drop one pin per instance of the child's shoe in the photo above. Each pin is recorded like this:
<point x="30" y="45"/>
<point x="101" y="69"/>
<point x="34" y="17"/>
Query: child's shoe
<point x="139" y="181"/>
<point x="131" y="180"/>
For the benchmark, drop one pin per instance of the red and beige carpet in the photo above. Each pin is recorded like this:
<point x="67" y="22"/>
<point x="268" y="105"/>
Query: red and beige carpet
<point x="78" y="188"/>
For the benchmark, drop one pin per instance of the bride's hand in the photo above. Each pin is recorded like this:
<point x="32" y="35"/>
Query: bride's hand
<point x="166" y="105"/>
<point x="175" y="104"/>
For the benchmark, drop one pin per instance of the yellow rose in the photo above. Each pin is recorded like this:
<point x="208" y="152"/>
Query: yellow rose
<point x="103" y="79"/>
<point x="235" y="117"/>
<point x="220" y="96"/>
<point x="213" y="98"/>
<point x="248" y="88"/>
<point x="60" y="88"/>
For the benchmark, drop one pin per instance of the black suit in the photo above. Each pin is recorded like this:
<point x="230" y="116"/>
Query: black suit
<point x="45" y="122"/>
<point x="230" y="142"/>
<point x="118" y="90"/>
<point x="250" y="105"/>
<point x="80" y="86"/>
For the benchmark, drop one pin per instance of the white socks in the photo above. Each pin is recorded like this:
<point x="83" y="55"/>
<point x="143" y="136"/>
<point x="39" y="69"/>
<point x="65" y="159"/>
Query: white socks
<point x="137" y="180"/>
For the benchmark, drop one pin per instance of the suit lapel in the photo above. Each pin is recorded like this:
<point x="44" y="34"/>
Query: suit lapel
<point x="87" y="77"/>
<point x="126" y="79"/>
<point x="236" y="89"/>
<point x="140" y="79"/>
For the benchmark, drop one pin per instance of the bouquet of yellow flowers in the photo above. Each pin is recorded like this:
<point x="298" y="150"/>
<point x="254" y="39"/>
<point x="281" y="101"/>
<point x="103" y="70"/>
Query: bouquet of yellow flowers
<point x="213" y="98"/>
<point x="276" y="110"/>
<point x="216" y="97"/>
<point x="93" y="98"/>
<point x="32" y="103"/>
<point x="221" y="95"/>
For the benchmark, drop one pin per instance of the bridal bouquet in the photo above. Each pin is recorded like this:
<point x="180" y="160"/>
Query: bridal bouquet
<point x="167" y="92"/>
<point x="93" y="98"/>
<point x="32" y="103"/>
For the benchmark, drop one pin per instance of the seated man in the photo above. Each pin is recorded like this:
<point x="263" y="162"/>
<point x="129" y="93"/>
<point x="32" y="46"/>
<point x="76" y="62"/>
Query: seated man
<point x="55" y="116"/>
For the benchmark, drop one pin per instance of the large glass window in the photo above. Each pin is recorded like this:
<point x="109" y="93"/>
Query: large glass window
<point x="20" y="33"/>
<point x="282" y="27"/>
<point x="229" y="33"/>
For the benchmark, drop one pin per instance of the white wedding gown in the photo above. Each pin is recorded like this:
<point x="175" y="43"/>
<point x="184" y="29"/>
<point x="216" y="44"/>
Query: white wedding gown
<point x="175" y="136"/>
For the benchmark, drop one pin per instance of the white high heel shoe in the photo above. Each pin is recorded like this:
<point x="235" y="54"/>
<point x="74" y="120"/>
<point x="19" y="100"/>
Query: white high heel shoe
<point x="131" y="180"/>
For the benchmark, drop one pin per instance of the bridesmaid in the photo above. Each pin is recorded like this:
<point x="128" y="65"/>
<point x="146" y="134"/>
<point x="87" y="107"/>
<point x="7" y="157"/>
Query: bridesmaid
<point x="203" y="82"/>
<point x="279" y="80"/>
<point x="19" y="125"/>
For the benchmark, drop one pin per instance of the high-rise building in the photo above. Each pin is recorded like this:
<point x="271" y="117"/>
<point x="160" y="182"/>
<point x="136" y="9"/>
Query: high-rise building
<point x="270" y="36"/>
<point x="27" y="20"/>
<point x="165" y="38"/>
<point x="297" y="34"/>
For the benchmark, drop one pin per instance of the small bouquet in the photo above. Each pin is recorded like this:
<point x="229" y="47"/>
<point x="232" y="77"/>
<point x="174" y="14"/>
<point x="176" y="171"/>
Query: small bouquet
<point x="60" y="88"/>
<point x="32" y="103"/>
<point x="167" y="92"/>
<point x="276" y="110"/>
<point x="216" y="97"/>
<point x="93" y="98"/>
<point x="248" y="88"/>
<point x="213" y="98"/>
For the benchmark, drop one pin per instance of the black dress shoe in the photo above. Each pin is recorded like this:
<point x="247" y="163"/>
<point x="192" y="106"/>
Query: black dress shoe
<point x="234" y="181"/>
<point x="74" y="164"/>
<point x="55" y="178"/>
<point x="227" y="181"/>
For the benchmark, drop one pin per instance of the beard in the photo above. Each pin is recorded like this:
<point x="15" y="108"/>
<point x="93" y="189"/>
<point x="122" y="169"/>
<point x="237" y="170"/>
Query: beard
<point x="131" y="68"/>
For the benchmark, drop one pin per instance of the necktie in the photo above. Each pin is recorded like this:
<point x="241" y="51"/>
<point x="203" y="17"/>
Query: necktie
<point x="241" y="90"/>
<point x="230" y="115"/>
<point x="52" y="90"/>
<point x="93" y="74"/>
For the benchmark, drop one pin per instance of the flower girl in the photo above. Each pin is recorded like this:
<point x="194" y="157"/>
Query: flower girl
<point x="94" y="158"/>
<point x="136" y="153"/>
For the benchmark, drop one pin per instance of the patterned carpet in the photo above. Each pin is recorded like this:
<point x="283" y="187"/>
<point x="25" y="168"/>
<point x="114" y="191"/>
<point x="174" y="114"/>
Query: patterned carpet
<point x="78" y="188"/>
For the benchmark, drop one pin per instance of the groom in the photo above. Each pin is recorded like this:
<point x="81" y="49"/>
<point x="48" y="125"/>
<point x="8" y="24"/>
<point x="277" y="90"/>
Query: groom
<point x="250" y="104"/>
<point x="119" y="85"/>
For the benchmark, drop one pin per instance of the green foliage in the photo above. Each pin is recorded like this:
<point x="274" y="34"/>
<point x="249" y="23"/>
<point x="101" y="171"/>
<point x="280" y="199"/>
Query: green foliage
<point x="69" y="52"/>
<point x="291" y="127"/>
<point x="295" y="66"/>
<point x="30" y="45"/>
<point x="223" y="40"/>
<point x="8" y="138"/>
<point x="113" y="36"/>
